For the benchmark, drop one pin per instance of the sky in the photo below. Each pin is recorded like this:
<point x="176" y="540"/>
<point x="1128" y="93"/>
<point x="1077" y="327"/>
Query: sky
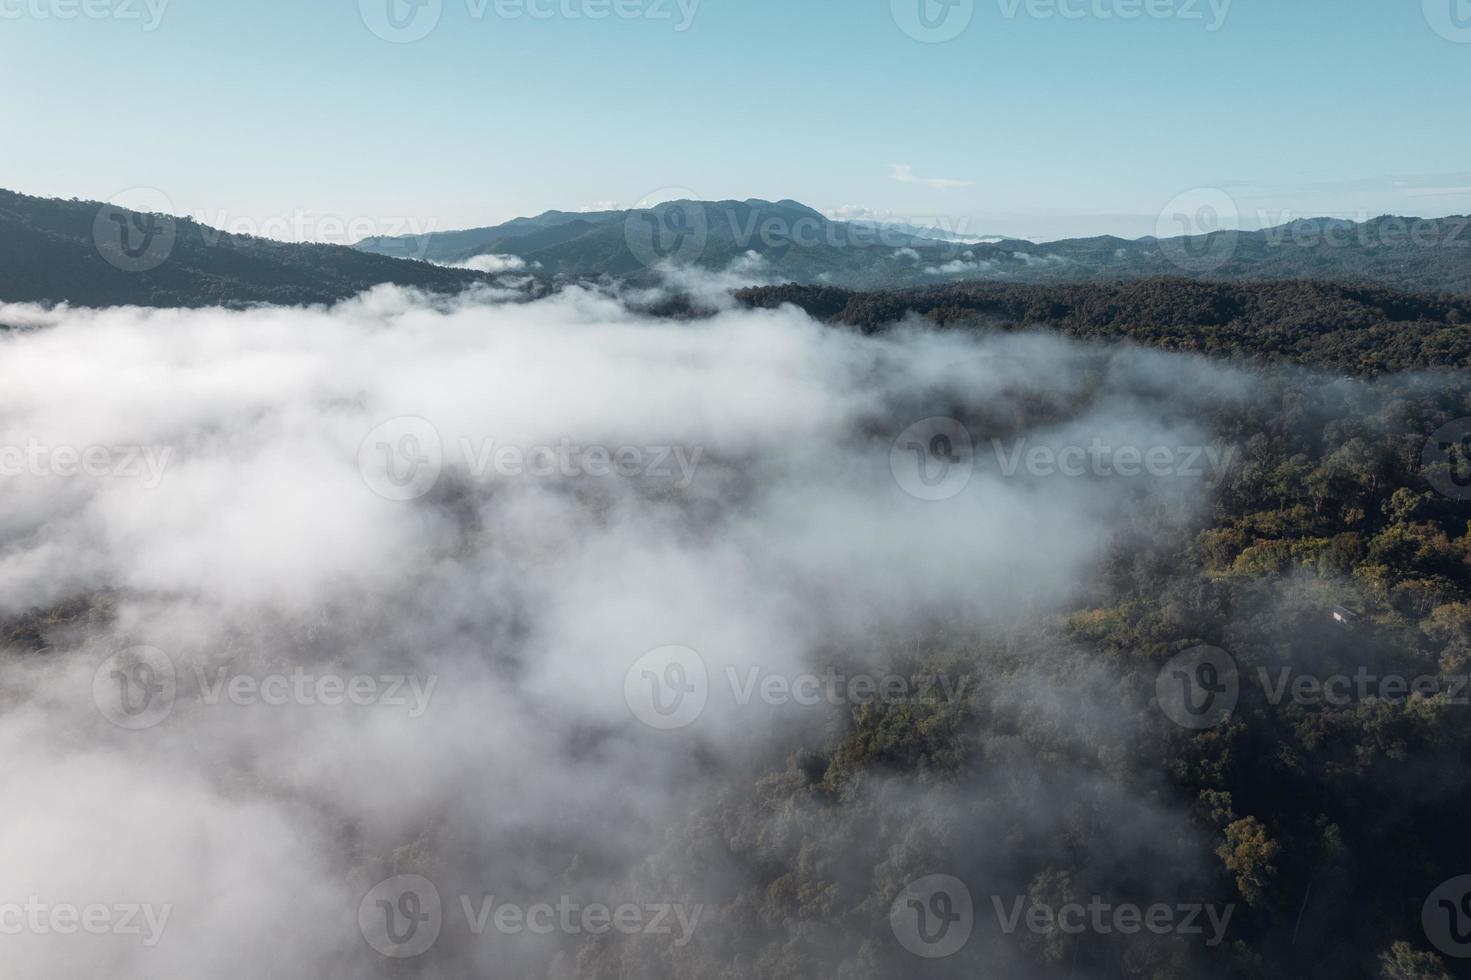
<point x="335" y="119"/>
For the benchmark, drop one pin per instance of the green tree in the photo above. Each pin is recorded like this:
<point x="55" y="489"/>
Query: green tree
<point x="1250" y="854"/>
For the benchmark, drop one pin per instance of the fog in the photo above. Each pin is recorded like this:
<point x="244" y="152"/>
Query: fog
<point x="496" y="517"/>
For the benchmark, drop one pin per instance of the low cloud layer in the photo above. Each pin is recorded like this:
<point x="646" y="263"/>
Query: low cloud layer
<point x="402" y="556"/>
<point x="491" y="263"/>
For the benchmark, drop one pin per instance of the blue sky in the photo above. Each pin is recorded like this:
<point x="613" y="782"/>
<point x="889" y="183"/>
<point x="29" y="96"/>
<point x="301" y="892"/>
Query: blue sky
<point x="1041" y="118"/>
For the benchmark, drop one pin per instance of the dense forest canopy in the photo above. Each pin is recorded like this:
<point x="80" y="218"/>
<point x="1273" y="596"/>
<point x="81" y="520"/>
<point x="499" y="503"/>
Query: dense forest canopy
<point x="1354" y="328"/>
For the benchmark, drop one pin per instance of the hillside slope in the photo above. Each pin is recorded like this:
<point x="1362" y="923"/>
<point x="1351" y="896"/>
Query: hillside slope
<point x="1362" y="329"/>
<point x="91" y="254"/>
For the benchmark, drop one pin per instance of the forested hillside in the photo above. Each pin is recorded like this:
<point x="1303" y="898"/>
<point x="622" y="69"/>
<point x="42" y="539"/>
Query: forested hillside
<point x="1360" y="329"/>
<point x="90" y="254"/>
<point x="1323" y="821"/>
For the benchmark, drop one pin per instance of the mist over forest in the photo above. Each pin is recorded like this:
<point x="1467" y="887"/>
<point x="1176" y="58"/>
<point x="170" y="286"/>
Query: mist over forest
<point x="925" y="584"/>
<point x="735" y="490"/>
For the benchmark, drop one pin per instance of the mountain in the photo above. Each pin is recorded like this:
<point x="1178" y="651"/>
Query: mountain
<point x="88" y="253"/>
<point x="91" y="254"/>
<point x="799" y="244"/>
<point x="794" y="241"/>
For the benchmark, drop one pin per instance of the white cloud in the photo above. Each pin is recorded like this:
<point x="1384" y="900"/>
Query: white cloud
<point x="852" y="212"/>
<point x="529" y="598"/>
<point x="958" y="267"/>
<point x="491" y="263"/>
<point x="904" y="174"/>
<point x="711" y="289"/>
<point x="1040" y="261"/>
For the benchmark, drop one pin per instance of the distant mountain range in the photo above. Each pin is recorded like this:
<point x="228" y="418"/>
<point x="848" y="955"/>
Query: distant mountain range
<point x="794" y="241"/>
<point x="91" y="254"/>
<point x="798" y="244"/>
<point x="95" y="254"/>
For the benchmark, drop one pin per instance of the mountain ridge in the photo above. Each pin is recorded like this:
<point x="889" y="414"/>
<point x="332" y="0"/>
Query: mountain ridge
<point x="797" y="243"/>
<point x="54" y="250"/>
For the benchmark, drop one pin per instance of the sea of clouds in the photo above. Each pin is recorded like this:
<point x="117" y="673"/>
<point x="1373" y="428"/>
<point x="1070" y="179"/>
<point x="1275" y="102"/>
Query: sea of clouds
<point x="334" y="493"/>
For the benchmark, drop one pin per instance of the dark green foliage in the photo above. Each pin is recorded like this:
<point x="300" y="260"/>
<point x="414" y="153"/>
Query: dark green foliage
<point x="1358" y="329"/>
<point x="1054" y="774"/>
<point x="48" y="255"/>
